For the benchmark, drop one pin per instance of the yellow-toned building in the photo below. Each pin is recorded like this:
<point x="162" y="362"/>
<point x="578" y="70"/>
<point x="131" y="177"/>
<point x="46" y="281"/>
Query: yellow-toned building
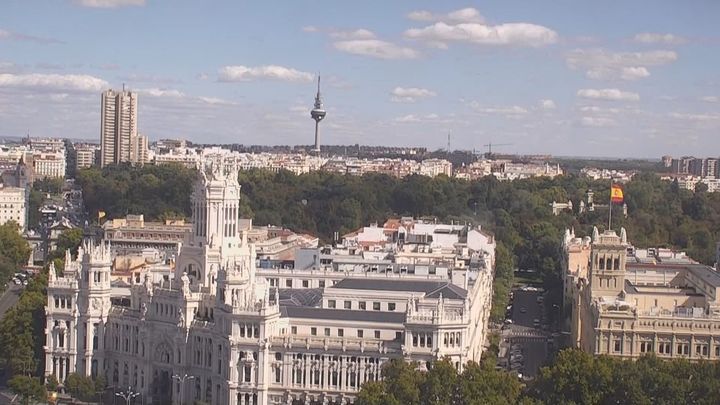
<point x="625" y="302"/>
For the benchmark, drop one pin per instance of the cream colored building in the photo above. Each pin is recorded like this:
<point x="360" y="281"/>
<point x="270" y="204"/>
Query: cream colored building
<point x="49" y="164"/>
<point x="13" y="206"/>
<point x="133" y="234"/>
<point x="626" y="302"/>
<point x="244" y="339"/>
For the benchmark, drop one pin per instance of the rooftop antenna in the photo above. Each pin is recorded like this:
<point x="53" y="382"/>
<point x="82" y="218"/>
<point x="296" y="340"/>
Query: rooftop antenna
<point x="448" y="144"/>
<point x="123" y="87"/>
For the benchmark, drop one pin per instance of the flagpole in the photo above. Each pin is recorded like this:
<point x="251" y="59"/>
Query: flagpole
<point x="610" y="205"/>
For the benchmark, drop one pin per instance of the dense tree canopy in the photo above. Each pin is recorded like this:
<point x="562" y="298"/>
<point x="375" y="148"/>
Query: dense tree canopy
<point x="404" y="384"/>
<point x="149" y="190"/>
<point x="579" y="378"/>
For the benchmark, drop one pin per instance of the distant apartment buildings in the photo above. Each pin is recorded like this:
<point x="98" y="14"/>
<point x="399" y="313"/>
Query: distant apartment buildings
<point x="85" y="156"/>
<point x="119" y="139"/>
<point x="689" y="165"/>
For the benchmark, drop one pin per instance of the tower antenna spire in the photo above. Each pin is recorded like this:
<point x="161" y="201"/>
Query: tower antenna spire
<point x="317" y="114"/>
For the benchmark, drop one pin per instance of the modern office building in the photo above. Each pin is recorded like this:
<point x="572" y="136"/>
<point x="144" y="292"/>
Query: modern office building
<point x="243" y="339"/>
<point x="626" y="302"/>
<point x="118" y="127"/>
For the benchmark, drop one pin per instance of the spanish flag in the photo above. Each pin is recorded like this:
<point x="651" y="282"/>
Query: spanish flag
<point x="616" y="194"/>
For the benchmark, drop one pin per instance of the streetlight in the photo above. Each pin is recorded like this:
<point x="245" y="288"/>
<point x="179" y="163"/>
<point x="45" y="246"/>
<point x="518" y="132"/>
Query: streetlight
<point x="127" y="395"/>
<point x="181" y="381"/>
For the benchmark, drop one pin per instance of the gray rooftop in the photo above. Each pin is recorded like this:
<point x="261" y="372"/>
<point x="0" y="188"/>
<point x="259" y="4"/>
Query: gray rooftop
<point x="432" y="289"/>
<point x="299" y="297"/>
<point x="342" y="314"/>
<point x="706" y="273"/>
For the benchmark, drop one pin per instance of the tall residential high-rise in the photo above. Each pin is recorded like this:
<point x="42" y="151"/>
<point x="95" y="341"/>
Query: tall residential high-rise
<point x="317" y="114"/>
<point x="118" y="127"/>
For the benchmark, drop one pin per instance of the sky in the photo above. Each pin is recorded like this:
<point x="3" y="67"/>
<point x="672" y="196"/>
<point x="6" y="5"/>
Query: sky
<point x="611" y="78"/>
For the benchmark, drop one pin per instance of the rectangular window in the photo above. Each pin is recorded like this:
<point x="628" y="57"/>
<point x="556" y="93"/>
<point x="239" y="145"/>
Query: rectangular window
<point x="321" y="283"/>
<point x="313" y="331"/>
<point x="341" y="332"/>
<point x="327" y="331"/>
<point x="362" y="305"/>
<point x="398" y="336"/>
<point x="331" y="303"/>
<point x="347" y="304"/>
<point x="293" y="330"/>
<point x="288" y="283"/>
<point x="360" y="334"/>
<point x="391" y="306"/>
<point x="305" y="283"/>
<point x="376" y="306"/>
<point x="617" y="345"/>
<point x="377" y="334"/>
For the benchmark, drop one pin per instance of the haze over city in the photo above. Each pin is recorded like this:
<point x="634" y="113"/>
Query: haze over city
<point x="565" y="78"/>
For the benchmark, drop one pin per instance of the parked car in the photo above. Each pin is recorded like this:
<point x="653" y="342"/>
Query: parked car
<point x="523" y="310"/>
<point x="536" y="322"/>
<point x="16" y="281"/>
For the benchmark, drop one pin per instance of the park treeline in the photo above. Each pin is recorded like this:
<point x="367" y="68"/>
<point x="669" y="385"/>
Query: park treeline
<point x="660" y="214"/>
<point x="574" y="378"/>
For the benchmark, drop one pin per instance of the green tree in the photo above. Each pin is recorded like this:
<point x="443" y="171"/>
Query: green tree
<point x="29" y="389"/>
<point x="12" y="246"/>
<point x="439" y="386"/>
<point x="483" y="385"/>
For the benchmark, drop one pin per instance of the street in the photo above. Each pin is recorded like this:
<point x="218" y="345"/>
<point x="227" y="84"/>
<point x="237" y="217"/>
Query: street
<point x="9" y="297"/>
<point x="528" y="318"/>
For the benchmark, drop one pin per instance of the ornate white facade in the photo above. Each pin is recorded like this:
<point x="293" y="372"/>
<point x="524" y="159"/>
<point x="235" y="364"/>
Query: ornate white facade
<point x="243" y="341"/>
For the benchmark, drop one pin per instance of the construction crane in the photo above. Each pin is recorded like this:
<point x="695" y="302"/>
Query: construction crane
<point x="489" y="145"/>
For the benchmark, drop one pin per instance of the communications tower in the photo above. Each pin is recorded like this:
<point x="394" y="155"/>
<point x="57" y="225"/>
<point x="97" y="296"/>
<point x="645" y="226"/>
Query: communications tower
<point x="317" y="114"/>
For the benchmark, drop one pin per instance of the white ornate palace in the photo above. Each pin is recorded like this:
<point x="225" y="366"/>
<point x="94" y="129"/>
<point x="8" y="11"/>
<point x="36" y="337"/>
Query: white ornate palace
<point x="241" y="340"/>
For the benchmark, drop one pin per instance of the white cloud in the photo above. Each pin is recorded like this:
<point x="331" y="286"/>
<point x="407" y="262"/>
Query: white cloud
<point x="356" y="34"/>
<point x="589" y="58"/>
<point x="710" y="99"/>
<point x="605" y="65"/>
<point x="53" y="82"/>
<point x="655" y="38"/>
<point x="596" y="109"/>
<point x="410" y="94"/>
<point x="547" y="104"/>
<point x="427" y="118"/>
<point x="421" y="15"/>
<point x="467" y="14"/>
<point x="597" y="122"/>
<point x="407" y="118"/>
<point x="216" y="101"/>
<point x="695" y="117"/>
<point x="240" y="73"/>
<point x="16" y="36"/>
<point x="608" y="94"/>
<point x="508" y="111"/>
<point x="632" y="73"/>
<point x="624" y="73"/>
<point x="157" y="92"/>
<point x="376" y="48"/>
<point x="517" y="34"/>
<point x="109" y="3"/>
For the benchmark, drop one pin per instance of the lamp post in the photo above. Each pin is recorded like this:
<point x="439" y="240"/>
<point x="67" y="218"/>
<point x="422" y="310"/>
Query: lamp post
<point x="127" y="395"/>
<point x="181" y="381"/>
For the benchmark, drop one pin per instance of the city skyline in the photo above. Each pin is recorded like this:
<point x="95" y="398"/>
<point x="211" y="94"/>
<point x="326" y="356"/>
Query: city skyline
<point x="636" y="80"/>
